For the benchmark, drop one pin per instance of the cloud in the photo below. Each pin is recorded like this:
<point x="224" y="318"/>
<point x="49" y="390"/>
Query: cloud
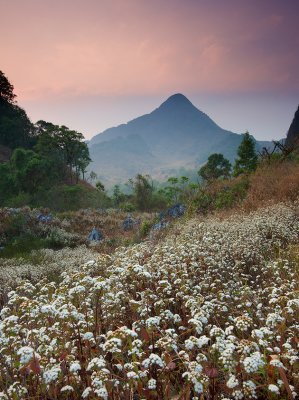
<point x="74" y="48"/>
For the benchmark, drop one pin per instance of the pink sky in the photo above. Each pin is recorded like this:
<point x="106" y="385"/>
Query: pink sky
<point x="91" y="64"/>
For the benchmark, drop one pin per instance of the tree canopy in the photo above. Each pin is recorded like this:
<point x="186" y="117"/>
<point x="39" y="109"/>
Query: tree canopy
<point x="6" y="89"/>
<point x="216" y="167"/>
<point x="143" y="191"/>
<point x="16" y="130"/>
<point x="65" y="145"/>
<point x="247" y="157"/>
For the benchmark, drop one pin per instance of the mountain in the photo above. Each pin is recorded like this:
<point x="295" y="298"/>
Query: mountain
<point x="175" y="135"/>
<point x="293" y="132"/>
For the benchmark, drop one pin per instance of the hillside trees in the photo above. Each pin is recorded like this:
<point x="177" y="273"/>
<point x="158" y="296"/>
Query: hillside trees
<point x="247" y="157"/>
<point x="59" y="157"/>
<point x="65" y="146"/>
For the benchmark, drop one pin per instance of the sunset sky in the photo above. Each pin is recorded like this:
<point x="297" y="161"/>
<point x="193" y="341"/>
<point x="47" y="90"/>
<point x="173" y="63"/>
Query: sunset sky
<point x="93" y="64"/>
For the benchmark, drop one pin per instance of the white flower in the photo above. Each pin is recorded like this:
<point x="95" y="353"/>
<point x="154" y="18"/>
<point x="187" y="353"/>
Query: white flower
<point x="27" y="353"/>
<point x="132" y="375"/>
<point x="75" y="366"/>
<point x="102" y="392"/>
<point x="232" y="382"/>
<point x="87" y="336"/>
<point x="152" y="384"/>
<point x="273" y="388"/>
<point x="67" y="388"/>
<point x="96" y="363"/>
<point x="153" y="359"/>
<point x="86" y="392"/>
<point x="51" y="375"/>
<point x="253" y="362"/>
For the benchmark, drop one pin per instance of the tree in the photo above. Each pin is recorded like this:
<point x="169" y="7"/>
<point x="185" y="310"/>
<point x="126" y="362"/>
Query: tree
<point x="118" y="196"/>
<point x="143" y="191"/>
<point x="65" y="144"/>
<point x="247" y="157"/>
<point x="216" y="167"/>
<point x="6" y="89"/>
<point x="16" y="130"/>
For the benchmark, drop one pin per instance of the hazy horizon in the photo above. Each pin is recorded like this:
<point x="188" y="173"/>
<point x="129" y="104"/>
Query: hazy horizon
<point x="95" y="64"/>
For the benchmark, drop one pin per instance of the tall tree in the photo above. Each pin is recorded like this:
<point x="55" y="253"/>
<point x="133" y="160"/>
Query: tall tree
<point x="216" y="167"/>
<point x="6" y="89"/>
<point x="118" y="196"/>
<point x="247" y="157"/>
<point x="16" y="130"/>
<point x="143" y="191"/>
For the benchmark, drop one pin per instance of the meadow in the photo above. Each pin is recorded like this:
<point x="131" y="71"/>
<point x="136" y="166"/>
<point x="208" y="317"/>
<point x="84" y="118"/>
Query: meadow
<point x="210" y="311"/>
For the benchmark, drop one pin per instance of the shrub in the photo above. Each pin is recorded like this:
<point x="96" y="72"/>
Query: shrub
<point x="145" y="228"/>
<point x="127" y="207"/>
<point x="229" y="196"/>
<point x="203" y="201"/>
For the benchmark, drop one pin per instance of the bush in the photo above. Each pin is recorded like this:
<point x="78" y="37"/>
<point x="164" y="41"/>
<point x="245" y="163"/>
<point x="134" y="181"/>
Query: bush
<point x="145" y="228"/>
<point x="21" y="200"/>
<point x="203" y="201"/>
<point x="127" y="207"/>
<point x="23" y="245"/>
<point x="71" y="198"/>
<point x="230" y="196"/>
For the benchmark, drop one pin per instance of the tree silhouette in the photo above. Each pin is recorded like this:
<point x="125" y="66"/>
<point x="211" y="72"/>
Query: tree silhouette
<point x="216" y="167"/>
<point x="247" y="157"/>
<point x="6" y="89"/>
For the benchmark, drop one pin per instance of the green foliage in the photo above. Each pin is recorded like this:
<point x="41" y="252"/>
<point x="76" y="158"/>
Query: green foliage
<point x="23" y="245"/>
<point x="6" y="89"/>
<point x="143" y="192"/>
<point x="70" y="198"/>
<point x="22" y="199"/>
<point x="33" y="176"/>
<point x="118" y="196"/>
<point x="224" y="195"/>
<point x="145" y="228"/>
<point x="203" y="201"/>
<point x="229" y="196"/>
<point x="30" y="170"/>
<point x="7" y="183"/>
<point x="247" y="157"/>
<point x="65" y="146"/>
<point x="216" y="167"/>
<point x="158" y="201"/>
<point x="16" y="130"/>
<point x="127" y="207"/>
<point x="176" y="191"/>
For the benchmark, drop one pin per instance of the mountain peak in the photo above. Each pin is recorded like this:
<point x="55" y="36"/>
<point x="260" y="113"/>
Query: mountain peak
<point x="176" y="100"/>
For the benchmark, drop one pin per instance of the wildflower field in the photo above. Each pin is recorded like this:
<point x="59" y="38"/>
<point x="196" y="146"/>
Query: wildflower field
<point x="208" y="312"/>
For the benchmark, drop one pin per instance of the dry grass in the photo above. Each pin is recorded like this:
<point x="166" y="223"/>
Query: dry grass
<point x="272" y="183"/>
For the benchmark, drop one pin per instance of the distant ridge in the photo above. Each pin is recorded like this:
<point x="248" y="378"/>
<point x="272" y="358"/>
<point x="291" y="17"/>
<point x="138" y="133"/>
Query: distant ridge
<point x="175" y="135"/>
